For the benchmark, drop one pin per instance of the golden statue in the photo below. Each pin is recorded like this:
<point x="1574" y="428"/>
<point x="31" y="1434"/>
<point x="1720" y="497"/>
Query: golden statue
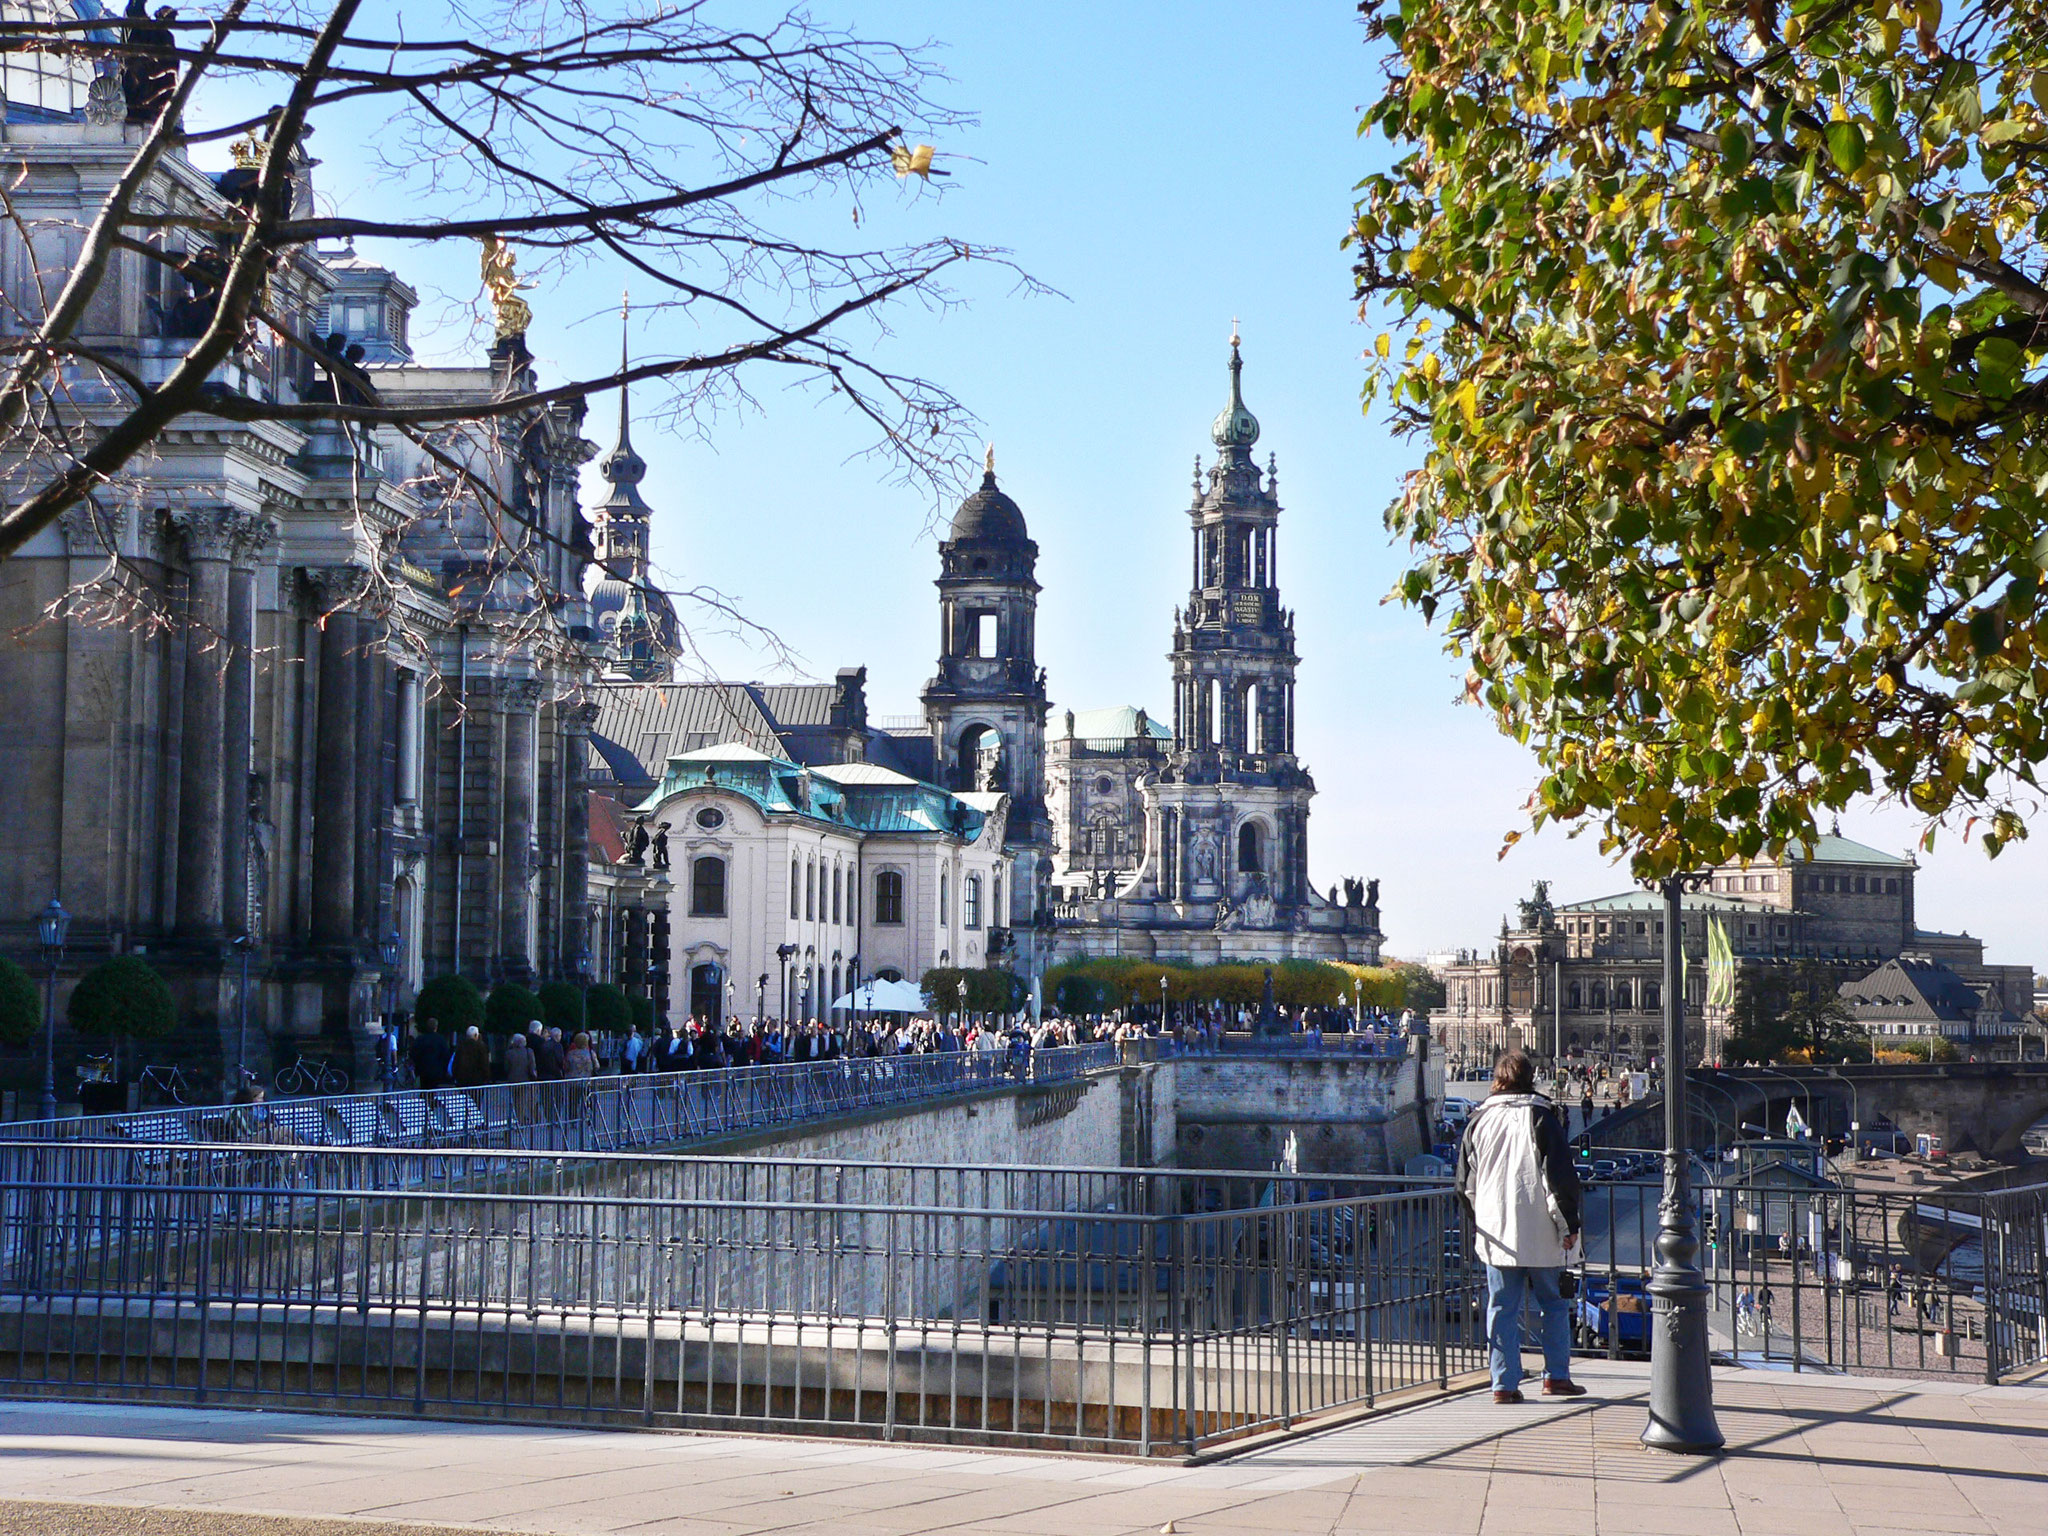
<point x="501" y="279"/>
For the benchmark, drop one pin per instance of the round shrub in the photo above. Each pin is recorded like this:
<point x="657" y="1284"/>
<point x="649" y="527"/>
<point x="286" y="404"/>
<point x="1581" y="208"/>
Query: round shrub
<point x="510" y="1008"/>
<point x="21" y="1011"/>
<point x="561" y="1006"/>
<point x="643" y="1013"/>
<point x="125" y="998"/>
<point x="605" y="1007"/>
<point x="452" y="1002"/>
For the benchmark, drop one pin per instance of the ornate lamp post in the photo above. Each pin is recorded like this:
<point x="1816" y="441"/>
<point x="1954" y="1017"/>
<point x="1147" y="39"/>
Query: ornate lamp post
<point x="242" y="946"/>
<point x="1162" y="1003"/>
<point x="51" y="928"/>
<point x="1681" y="1381"/>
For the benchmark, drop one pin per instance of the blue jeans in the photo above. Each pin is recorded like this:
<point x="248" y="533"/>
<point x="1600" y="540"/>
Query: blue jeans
<point x="1505" y="1292"/>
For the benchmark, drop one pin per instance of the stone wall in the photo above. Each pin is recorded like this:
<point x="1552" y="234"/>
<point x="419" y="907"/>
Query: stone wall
<point x="1312" y="1115"/>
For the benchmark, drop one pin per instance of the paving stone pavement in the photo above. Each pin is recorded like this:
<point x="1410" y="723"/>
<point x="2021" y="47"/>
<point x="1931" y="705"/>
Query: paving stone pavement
<point x="1808" y="1456"/>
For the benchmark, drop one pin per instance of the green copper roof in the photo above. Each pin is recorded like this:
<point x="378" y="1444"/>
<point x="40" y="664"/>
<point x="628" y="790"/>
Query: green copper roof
<point x="856" y="796"/>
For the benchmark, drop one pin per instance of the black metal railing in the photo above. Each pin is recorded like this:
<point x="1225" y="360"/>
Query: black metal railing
<point x="589" y="1114"/>
<point x="700" y="1293"/>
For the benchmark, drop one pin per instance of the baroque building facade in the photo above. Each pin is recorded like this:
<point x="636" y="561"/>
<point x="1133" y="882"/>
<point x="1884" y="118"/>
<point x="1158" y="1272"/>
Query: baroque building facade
<point x="280" y="698"/>
<point x="1585" y="979"/>
<point x="1192" y="846"/>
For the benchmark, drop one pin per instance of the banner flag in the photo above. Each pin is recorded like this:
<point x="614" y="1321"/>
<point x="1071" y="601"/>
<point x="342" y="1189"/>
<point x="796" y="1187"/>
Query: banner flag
<point x="1720" y="966"/>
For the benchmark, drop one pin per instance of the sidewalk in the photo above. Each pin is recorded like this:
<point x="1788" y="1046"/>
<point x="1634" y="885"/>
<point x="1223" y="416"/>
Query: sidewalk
<point x="1810" y="1456"/>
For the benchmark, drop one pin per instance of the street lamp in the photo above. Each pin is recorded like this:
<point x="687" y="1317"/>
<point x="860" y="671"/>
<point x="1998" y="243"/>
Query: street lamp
<point x="961" y="987"/>
<point x="1162" y="1002"/>
<point x="242" y="947"/>
<point x="761" y="998"/>
<point x="391" y="951"/>
<point x="51" y="928"/>
<point x="1681" y="1380"/>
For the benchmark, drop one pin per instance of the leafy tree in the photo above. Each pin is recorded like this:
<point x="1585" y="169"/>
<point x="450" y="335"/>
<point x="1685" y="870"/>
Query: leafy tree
<point x="1797" y="1011"/>
<point x="1419" y="987"/>
<point x="1721" y="325"/>
<point x="21" y="1009"/>
<point x="510" y="1008"/>
<point x="605" y="1006"/>
<point x="452" y="1003"/>
<point x="122" y="999"/>
<point x="561" y="1006"/>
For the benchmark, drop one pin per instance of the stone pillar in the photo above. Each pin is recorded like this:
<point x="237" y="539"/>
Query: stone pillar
<point x="575" y="937"/>
<point x="238" y="723"/>
<point x="519" y="700"/>
<point x="210" y="536"/>
<point x="373" y="781"/>
<point x="335" y="769"/>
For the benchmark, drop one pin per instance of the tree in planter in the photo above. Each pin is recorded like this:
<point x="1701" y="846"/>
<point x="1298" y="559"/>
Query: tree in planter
<point x="1722" y="328"/>
<point x="604" y="1005"/>
<point x="562" y="1006"/>
<point x="643" y="1013"/>
<point x="511" y="1008"/>
<point x="451" y="1002"/>
<point x="122" y="999"/>
<point x="21" y="1006"/>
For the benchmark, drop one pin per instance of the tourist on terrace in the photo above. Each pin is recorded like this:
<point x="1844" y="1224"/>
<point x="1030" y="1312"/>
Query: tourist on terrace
<point x="1516" y="1181"/>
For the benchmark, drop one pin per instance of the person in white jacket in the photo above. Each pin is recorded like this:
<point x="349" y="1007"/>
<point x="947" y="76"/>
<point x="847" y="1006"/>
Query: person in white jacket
<point x="1521" y="1196"/>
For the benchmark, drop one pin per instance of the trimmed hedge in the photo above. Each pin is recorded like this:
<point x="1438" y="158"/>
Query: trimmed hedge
<point x="21" y="1011"/>
<point x="452" y="1002"/>
<point x="561" y="1006"/>
<point x="989" y="989"/>
<point x="123" y="997"/>
<point x="643" y="1013"/>
<point x="604" y="1005"/>
<point x="510" y="1008"/>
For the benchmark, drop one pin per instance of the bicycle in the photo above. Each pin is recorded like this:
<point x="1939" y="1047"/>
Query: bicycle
<point x="95" y="1069"/>
<point x="304" y="1077"/>
<point x="167" y="1084"/>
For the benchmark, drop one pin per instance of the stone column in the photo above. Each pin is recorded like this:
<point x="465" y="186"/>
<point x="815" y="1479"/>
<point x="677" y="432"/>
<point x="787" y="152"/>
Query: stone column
<point x="210" y="535"/>
<point x="373" y="782"/>
<point x="335" y="769"/>
<point x="238" y="722"/>
<point x="519" y="701"/>
<point x="577" y="721"/>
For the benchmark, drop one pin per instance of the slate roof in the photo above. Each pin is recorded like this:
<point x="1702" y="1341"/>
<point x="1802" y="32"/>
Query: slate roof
<point x="1912" y="990"/>
<point x="640" y="726"/>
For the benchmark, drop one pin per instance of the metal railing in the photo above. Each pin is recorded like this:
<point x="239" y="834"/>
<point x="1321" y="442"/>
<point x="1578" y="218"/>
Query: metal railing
<point x="700" y="1293"/>
<point x="589" y="1114"/>
<point x="1817" y="1276"/>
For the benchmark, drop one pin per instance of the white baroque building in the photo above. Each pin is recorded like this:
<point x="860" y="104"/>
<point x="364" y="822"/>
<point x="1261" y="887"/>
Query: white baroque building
<point x="788" y="884"/>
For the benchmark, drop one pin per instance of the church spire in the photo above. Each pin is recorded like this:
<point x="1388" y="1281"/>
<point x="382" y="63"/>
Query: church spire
<point x="1235" y="428"/>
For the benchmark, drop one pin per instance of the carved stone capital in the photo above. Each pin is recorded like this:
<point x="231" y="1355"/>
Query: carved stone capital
<point x="519" y="695"/>
<point x="93" y="532"/>
<point x="580" y="719"/>
<point x="257" y="532"/>
<point x="211" y="533"/>
<point x="334" y="587"/>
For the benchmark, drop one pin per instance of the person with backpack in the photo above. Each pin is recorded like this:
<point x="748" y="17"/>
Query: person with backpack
<point x="1521" y="1196"/>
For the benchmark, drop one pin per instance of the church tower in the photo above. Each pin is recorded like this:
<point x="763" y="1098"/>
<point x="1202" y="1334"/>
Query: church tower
<point x="986" y="706"/>
<point x="633" y="618"/>
<point x="1229" y="810"/>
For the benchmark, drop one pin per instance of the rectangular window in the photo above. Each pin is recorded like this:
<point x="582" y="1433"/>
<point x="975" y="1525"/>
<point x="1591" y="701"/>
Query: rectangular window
<point x="810" y="893"/>
<point x="707" y="887"/>
<point x="1891" y="887"/>
<point x="794" y="879"/>
<point x="972" y="901"/>
<point x="835" y="893"/>
<point x="889" y="897"/>
<point x="1859" y="885"/>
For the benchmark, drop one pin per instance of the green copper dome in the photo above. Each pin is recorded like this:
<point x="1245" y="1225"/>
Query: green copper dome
<point x="1234" y="427"/>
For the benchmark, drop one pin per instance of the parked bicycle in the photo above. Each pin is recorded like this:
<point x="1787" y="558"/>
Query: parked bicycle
<point x="164" y="1085"/>
<point x="95" y="1069"/>
<point x="307" y="1077"/>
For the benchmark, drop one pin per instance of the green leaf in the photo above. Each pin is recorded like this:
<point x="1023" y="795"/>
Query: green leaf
<point x="1846" y="146"/>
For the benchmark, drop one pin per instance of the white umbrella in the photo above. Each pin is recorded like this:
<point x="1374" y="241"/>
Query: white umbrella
<point x="881" y="996"/>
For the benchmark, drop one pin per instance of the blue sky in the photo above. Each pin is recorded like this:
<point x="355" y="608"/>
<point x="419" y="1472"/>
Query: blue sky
<point x="1166" y="167"/>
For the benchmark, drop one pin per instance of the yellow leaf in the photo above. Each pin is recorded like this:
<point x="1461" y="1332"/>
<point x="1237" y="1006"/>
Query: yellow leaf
<point x="1885" y="684"/>
<point x="1385" y="345"/>
<point x="1468" y="403"/>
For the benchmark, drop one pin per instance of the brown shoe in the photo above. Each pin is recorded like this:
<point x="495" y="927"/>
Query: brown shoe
<point x="1562" y="1388"/>
<point x="1510" y="1396"/>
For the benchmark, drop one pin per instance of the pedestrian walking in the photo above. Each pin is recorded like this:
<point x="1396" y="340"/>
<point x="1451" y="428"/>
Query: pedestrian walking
<point x="1516" y="1182"/>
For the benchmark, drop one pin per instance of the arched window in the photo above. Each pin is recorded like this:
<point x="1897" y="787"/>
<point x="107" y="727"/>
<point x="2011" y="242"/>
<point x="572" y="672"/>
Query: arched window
<point x="1212" y="735"/>
<point x="795" y="880"/>
<point x="1653" y="995"/>
<point x="944" y="906"/>
<point x="1254" y="724"/>
<point x="811" y="891"/>
<point x="835" y="903"/>
<point x="1572" y="996"/>
<point x="1251" y="853"/>
<point x="707" y="887"/>
<point x="889" y="897"/>
<point x="1621" y="995"/>
<point x="1599" y="994"/>
<point x="971" y="900"/>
